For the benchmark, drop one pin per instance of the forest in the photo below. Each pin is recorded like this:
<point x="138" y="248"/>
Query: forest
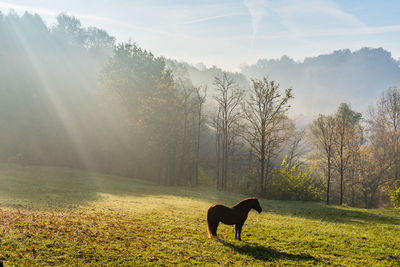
<point x="72" y="96"/>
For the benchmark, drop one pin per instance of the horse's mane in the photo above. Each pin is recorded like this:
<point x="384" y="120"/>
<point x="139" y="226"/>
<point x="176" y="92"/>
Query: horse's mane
<point x="244" y="203"/>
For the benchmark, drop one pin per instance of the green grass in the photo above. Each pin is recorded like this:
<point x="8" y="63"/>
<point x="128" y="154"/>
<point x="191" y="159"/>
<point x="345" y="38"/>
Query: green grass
<point x="55" y="216"/>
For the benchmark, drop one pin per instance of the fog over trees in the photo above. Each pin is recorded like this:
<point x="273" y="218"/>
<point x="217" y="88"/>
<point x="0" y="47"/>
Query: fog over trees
<point x="325" y="129"/>
<point x="322" y="82"/>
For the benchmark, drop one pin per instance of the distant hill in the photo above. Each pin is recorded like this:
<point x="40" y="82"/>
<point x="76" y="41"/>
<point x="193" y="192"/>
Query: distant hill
<point x="321" y="83"/>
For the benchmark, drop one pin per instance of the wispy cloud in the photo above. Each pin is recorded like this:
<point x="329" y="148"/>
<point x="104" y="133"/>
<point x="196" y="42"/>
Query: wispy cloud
<point x="300" y="18"/>
<point x="354" y="31"/>
<point x="364" y="30"/>
<point x="257" y="9"/>
<point x="212" y="18"/>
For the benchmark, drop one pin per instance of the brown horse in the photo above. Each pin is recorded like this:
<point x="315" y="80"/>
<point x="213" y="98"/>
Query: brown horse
<point x="236" y="215"/>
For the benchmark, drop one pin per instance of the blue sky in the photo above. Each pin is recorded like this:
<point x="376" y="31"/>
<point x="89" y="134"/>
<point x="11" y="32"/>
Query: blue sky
<point x="231" y="33"/>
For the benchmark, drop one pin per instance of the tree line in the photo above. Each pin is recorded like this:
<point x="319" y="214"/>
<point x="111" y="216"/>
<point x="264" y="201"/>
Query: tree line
<point x="72" y="97"/>
<point x="359" y="158"/>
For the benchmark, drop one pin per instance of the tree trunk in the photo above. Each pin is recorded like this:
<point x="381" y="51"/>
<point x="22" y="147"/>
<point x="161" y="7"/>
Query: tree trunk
<point x="262" y="167"/>
<point x="184" y="152"/>
<point x="219" y="174"/>
<point x="329" y="181"/>
<point x="196" y="165"/>
<point x="225" y="162"/>
<point x="341" y="178"/>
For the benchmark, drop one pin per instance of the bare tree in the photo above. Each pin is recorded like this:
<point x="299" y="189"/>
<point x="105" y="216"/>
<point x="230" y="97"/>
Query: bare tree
<point x="375" y="169"/>
<point x="296" y="146"/>
<point x="385" y="128"/>
<point x="227" y="118"/>
<point x="218" y="142"/>
<point x="322" y="138"/>
<point x="266" y="114"/>
<point x="187" y="107"/>
<point x="200" y="98"/>
<point x="355" y="143"/>
<point x="381" y="156"/>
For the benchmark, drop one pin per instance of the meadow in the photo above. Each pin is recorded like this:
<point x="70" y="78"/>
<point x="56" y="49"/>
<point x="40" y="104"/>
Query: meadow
<point x="58" y="216"/>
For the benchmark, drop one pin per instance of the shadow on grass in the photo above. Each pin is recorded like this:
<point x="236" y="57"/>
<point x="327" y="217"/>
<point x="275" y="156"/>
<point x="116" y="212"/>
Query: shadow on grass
<point x="263" y="253"/>
<point x="322" y="212"/>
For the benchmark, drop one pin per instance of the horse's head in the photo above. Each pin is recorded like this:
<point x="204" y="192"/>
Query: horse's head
<point x="256" y="205"/>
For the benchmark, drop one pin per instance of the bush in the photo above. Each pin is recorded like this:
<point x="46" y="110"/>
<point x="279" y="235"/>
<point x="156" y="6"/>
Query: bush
<point x="247" y="185"/>
<point x="296" y="183"/>
<point x="395" y="196"/>
<point x="205" y="180"/>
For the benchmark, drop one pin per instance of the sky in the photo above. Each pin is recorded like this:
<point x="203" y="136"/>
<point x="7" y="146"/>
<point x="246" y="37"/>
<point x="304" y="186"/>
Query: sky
<point x="230" y="33"/>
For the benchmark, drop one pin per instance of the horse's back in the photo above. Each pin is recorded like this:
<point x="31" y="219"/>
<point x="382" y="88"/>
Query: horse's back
<point x="218" y="208"/>
<point x="223" y="213"/>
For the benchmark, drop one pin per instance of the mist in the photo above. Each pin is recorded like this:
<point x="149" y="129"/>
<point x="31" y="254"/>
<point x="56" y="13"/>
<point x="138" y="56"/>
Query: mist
<point x="74" y="97"/>
<point x="111" y="154"/>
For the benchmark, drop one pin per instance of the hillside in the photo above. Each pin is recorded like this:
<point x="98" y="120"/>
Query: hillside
<point x="67" y="217"/>
<point x="321" y="83"/>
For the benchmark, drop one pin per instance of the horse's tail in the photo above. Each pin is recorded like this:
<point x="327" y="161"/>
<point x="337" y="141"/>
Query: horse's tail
<point x="208" y="224"/>
<point x="212" y="224"/>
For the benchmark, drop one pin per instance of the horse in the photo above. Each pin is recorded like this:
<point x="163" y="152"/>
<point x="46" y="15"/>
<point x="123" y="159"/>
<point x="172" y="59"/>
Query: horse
<point x="235" y="215"/>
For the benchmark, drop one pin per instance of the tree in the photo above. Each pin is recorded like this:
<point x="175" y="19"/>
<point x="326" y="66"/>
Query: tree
<point x="200" y="98"/>
<point x="48" y="89"/>
<point x="322" y="139"/>
<point x="162" y="119"/>
<point x="346" y="121"/>
<point x="69" y="29"/>
<point x="384" y="126"/>
<point x="133" y="80"/>
<point x="382" y="156"/>
<point x="266" y="114"/>
<point x="374" y="163"/>
<point x="356" y="143"/>
<point x="192" y="99"/>
<point x="297" y="147"/>
<point x="226" y="120"/>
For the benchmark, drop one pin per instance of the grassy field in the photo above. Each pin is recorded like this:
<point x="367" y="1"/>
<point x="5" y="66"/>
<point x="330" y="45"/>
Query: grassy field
<point x="54" y="216"/>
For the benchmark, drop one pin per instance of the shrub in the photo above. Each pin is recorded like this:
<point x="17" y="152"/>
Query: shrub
<point x="395" y="196"/>
<point x="296" y="183"/>
<point x="247" y="185"/>
<point x="205" y="180"/>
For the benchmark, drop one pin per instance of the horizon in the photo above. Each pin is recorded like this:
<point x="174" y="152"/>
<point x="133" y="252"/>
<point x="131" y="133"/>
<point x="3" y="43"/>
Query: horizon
<point x="230" y="35"/>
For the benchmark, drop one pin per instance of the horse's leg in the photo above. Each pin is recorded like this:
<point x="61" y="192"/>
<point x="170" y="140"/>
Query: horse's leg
<point x="214" y="227"/>
<point x="239" y="231"/>
<point x="236" y="231"/>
